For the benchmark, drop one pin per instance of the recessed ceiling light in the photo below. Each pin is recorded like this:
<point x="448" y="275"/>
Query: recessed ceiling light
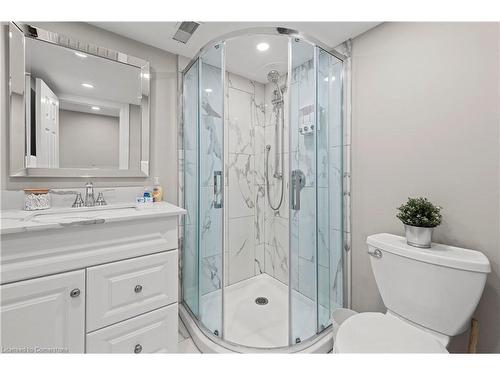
<point x="88" y="85"/>
<point x="326" y="79"/>
<point x="263" y="46"/>
<point x="208" y="90"/>
<point x="95" y="108"/>
<point x="79" y="54"/>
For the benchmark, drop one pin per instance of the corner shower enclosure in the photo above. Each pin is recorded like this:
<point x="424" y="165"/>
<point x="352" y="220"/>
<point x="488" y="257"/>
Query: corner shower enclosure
<point x="262" y="258"/>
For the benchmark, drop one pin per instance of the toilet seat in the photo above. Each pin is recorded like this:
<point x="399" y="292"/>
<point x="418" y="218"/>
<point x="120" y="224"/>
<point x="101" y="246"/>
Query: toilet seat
<point x="380" y="333"/>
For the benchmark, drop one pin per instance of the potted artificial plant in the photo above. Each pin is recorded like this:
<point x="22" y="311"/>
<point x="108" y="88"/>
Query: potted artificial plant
<point x="419" y="217"/>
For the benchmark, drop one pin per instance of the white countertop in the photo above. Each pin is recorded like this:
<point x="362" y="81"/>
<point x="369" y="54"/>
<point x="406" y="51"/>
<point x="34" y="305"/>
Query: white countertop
<point x="16" y="221"/>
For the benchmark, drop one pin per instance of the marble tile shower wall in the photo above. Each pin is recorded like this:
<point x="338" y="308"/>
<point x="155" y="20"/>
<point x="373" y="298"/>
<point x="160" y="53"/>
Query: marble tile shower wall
<point x="244" y="215"/>
<point x="256" y="237"/>
<point x="276" y="243"/>
<point x="244" y="208"/>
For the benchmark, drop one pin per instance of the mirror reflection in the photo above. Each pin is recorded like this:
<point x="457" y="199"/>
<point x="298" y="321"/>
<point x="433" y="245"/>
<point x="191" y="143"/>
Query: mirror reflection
<point x="81" y="108"/>
<point x="84" y="111"/>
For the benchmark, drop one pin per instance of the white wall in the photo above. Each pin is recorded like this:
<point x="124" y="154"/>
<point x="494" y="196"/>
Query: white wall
<point x="88" y="140"/>
<point x="163" y="130"/>
<point x="426" y="122"/>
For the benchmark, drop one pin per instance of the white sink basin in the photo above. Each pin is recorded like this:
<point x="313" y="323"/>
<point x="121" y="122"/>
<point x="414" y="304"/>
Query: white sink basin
<point x="80" y="214"/>
<point x="20" y="221"/>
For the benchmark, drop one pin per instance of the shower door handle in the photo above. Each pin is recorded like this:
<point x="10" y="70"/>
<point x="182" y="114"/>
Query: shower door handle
<point x="298" y="182"/>
<point x="217" y="189"/>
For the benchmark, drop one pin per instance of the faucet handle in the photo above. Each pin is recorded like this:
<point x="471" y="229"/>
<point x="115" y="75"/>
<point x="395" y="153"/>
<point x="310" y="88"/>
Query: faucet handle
<point x="100" y="200"/>
<point x="78" y="201"/>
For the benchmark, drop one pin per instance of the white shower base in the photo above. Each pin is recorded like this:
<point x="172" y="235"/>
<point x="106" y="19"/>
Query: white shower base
<point x="249" y="325"/>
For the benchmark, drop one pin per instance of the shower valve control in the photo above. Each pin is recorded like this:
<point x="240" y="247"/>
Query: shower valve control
<point x="298" y="182"/>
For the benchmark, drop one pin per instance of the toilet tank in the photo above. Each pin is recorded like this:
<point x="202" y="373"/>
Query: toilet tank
<point x="437" y="288"/>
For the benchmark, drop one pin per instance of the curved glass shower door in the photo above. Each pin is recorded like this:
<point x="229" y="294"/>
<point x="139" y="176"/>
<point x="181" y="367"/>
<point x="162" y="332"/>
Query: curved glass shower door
<point x="203" y="184"/>
<point x="263" y="264"/>
<point x="315" y="189"/>
<point x="303" y="181"/>
<point x="329" y="143"/>
<point x="190" y="253"/>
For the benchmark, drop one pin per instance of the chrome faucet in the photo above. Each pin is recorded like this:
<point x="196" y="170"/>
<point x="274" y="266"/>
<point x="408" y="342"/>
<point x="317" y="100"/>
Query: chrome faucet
<point x="89" y="195"/>
<point x="78" y="200"/>
<point x="90" y="200"/>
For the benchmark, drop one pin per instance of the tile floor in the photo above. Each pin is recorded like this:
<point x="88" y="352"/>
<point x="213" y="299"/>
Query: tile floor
<point x="186" y="344"/>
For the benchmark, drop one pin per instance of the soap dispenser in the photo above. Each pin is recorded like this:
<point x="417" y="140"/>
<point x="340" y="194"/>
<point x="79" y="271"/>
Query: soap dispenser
<point x="157" y="190"/>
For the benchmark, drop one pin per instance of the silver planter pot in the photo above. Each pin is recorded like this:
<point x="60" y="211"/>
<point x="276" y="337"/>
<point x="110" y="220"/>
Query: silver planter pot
<point x="418" y="236"/>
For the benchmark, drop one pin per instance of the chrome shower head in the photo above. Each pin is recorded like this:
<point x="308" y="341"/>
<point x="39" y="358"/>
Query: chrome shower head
<point x="273" y="76"/>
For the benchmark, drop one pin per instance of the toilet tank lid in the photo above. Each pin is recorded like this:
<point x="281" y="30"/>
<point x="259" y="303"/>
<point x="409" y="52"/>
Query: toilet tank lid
<point x="439" y="254"/>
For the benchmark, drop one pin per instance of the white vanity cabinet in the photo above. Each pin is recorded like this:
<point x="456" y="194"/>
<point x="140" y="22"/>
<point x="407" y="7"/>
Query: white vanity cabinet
<point x="46" y="314"/>
<point x="108" y="287"/>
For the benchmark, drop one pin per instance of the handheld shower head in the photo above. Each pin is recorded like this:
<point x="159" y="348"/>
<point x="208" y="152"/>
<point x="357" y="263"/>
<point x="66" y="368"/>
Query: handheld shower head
<point x="273" y="76"/>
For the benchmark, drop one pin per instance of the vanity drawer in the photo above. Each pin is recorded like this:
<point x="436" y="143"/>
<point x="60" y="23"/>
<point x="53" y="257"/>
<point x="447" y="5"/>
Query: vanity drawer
<point x="121" y="290"/>
<point x="154" y="332"/>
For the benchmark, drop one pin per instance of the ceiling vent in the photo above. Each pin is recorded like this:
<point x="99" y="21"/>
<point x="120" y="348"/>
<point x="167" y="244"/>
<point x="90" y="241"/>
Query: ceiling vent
<point x="185" y="31"/>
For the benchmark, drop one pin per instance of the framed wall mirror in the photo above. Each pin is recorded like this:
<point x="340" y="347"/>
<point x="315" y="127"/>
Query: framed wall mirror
<point x="76" y="109"/>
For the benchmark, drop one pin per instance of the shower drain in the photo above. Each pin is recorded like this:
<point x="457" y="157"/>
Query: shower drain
<point x="261" y="301"/>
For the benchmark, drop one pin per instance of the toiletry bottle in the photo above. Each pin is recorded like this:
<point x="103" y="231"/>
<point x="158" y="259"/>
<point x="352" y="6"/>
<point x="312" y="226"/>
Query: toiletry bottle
<point x="148" y="198"/>
<point x="157" y="190"/>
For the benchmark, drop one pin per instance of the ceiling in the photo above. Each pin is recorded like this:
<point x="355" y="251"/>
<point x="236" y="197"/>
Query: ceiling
<point x="243" y="58"/>
<point x="64" y="71"/>
<point x="159" y="34"/>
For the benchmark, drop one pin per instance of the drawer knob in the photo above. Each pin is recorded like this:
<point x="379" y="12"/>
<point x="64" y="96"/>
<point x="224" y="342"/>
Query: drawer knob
<point x="138" y="288"/>
<point x="74" y="293"/>
<point x="138" y="349"/>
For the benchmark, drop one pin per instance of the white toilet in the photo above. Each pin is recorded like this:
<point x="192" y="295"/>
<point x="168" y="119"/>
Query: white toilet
<point x="430" y="296"/>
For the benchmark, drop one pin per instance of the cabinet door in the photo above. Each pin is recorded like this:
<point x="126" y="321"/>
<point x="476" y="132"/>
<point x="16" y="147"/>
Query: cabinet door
<point x="44" y="314"/>
<point x="154" y="332"/>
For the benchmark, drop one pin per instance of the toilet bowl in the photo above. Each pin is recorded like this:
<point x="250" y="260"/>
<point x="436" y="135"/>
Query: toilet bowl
<point x="430" y="296"/>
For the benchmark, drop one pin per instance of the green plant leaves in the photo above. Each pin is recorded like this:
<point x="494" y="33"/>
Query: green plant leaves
<point x="420" y="212"/>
